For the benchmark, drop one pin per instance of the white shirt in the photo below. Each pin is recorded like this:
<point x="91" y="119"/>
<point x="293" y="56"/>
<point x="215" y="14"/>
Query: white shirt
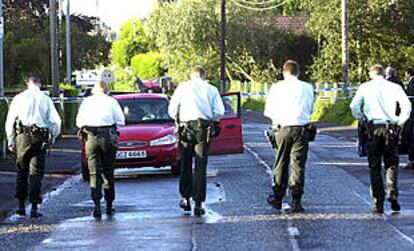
<point x="100" y="110"/>
<point x="290" y="102"/>
<point x="33" y="107"/>
<point x="379" y="98"/>
<point x="196" y="99"/>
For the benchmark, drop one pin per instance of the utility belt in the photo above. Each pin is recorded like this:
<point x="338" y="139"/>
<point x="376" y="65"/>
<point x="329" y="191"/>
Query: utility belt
<point x="212" y="128"/>
<point x="95" y="130"/>
<point x="33" y="130"/>
<point x="310" y="129"/>
<point x="392" y="131"/>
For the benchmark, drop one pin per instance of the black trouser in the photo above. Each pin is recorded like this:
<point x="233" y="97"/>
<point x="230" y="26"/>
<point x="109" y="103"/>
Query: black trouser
<point x="100" y="151"/>
<point x="30" y="166"/>
<point x="292" y="148"/>
<point x="193" y="142"/>
<point x="383" y="146"/>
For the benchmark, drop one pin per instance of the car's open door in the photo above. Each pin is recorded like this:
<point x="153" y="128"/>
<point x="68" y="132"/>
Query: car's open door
<point x="230" y="140"/>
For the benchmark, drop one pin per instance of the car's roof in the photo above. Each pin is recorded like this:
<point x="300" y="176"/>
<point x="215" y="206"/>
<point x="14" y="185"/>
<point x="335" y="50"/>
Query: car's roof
<point x="140" y="96"/>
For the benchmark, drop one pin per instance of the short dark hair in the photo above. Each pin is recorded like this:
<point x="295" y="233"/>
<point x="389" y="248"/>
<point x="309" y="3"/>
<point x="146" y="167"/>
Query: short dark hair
<point x="292" y="67"/>
<point x="198" y="71"/>
<point x="377" y="69"/>
<point x="34" y="78"/>
<point x="410" y="71"/>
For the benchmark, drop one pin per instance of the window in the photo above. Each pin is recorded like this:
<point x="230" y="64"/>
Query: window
<point x="148" y="110"/>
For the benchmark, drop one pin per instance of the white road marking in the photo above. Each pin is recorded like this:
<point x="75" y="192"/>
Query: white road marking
<point x="404" y="236"/>
<point x="293" y="233"/>
<point x="262" y="162"/>
<point x="363" y="198"/>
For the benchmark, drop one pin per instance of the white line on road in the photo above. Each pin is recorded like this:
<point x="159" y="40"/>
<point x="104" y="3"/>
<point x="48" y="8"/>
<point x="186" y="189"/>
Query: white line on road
<point x="293" y="231"/>
<point x="362" y="198"/>
<point x="261" y="161"/>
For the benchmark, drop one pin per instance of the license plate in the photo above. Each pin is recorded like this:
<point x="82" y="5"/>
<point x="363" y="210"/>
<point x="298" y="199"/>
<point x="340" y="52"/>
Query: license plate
<point x="131" y="154"/>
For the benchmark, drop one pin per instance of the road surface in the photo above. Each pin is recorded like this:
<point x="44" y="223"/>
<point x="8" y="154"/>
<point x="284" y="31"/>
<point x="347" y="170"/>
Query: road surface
<point x="336" y="200"/>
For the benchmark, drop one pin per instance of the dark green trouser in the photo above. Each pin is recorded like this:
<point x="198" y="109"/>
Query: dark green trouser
<point x="100" y="153"/>
<point x="379" y="148"/>
<point x="30" y="165"/>
<point x="292" y="148"/>
<point x="194" y="143"/>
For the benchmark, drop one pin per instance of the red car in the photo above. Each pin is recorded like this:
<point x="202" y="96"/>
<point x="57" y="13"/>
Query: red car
<point x="148" y="139"/>
<point x="160" y="85"/>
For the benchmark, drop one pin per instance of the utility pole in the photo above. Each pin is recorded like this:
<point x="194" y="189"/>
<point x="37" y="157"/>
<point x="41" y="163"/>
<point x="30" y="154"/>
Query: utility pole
<point x="54" y="56"/>
<point x="68" y="45"/>
<point x="345" y="49"/>
<point x="1" y="49"/>
<point x="223" y="43"/>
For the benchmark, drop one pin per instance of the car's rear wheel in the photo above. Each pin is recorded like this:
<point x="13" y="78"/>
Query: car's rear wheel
<point x="85" y="171"/>
<point x="175" y="169"/>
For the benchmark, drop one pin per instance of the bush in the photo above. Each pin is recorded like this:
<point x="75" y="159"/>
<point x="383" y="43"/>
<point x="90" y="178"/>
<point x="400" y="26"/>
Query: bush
<point x="253" y="104"/>
<point x="4" y="108"/>
<point x="70" y="109"/>
<point x="124" y="80"/>
<point x="333" y="112"/>
<point x="147" y="65"/>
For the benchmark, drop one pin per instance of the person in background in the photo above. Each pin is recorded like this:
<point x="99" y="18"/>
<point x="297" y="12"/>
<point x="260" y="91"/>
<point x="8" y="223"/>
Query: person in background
<point x="391" y="75"/>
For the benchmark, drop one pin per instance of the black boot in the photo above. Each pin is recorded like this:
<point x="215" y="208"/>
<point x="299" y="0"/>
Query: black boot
<point x="109" y="208"/>
<point x="198" y="209"/>
<point x="378" y="208"/>
<point x="21" y="211"/>
<point x="296" y="206"/>
<point x="34" y="213"/>
<point x="274" y="202"/>
<point x="395" y="206"/>
<point x="185" y="204"/>
<point x="97" y="210"/>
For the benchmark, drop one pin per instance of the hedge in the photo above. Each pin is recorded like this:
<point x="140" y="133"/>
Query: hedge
<point x="325" y="110"/>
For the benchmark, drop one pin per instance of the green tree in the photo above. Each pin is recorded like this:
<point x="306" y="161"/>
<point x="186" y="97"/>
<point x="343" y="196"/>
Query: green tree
<point x="379" y="33"/>
<point x="188" y="33"/>
<point x="132" y="41"/>
<point x="26" y="44"/>
<point x="147" y="66"/>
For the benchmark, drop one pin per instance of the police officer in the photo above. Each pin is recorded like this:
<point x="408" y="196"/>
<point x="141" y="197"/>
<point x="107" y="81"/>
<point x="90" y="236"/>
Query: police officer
<point x="391" y="75"/>
<point x="377" y="100"/>
<point x="409" y="126"/>
<point x="98" y="118"/>
<point x="292" y="137"/>
<point x="195" y="105"/>
<point x="32" y="126"/>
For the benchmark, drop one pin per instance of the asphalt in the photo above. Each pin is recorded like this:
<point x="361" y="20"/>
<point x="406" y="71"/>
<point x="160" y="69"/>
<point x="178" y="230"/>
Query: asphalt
<point x="62" y="163"/>
<point x="336" y="199"/>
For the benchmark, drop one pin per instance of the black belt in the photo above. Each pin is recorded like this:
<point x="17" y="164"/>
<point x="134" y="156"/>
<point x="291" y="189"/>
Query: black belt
<point x="385" y="126"/>
<point x="198" y="123"/>
<point x="278" y="127"/>
<point x="96" y="129"/>
<point x="33" y="129"/>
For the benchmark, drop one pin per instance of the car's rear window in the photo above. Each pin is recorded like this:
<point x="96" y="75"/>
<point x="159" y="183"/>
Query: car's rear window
<point x="148" y="110"/>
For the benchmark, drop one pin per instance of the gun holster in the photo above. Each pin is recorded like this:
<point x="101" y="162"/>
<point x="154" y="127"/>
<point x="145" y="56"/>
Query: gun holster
<point x="312" y="130"/>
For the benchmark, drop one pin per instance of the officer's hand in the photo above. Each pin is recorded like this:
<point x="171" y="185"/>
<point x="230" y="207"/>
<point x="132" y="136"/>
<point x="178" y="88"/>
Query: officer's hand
<point x="12" y="148"/>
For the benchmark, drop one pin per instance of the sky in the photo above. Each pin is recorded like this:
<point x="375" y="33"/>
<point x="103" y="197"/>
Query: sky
<point x="113" y="12"/>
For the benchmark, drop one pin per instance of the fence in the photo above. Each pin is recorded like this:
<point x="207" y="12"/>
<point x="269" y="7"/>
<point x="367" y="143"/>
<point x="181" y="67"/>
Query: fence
<point x="333" y="91"/>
